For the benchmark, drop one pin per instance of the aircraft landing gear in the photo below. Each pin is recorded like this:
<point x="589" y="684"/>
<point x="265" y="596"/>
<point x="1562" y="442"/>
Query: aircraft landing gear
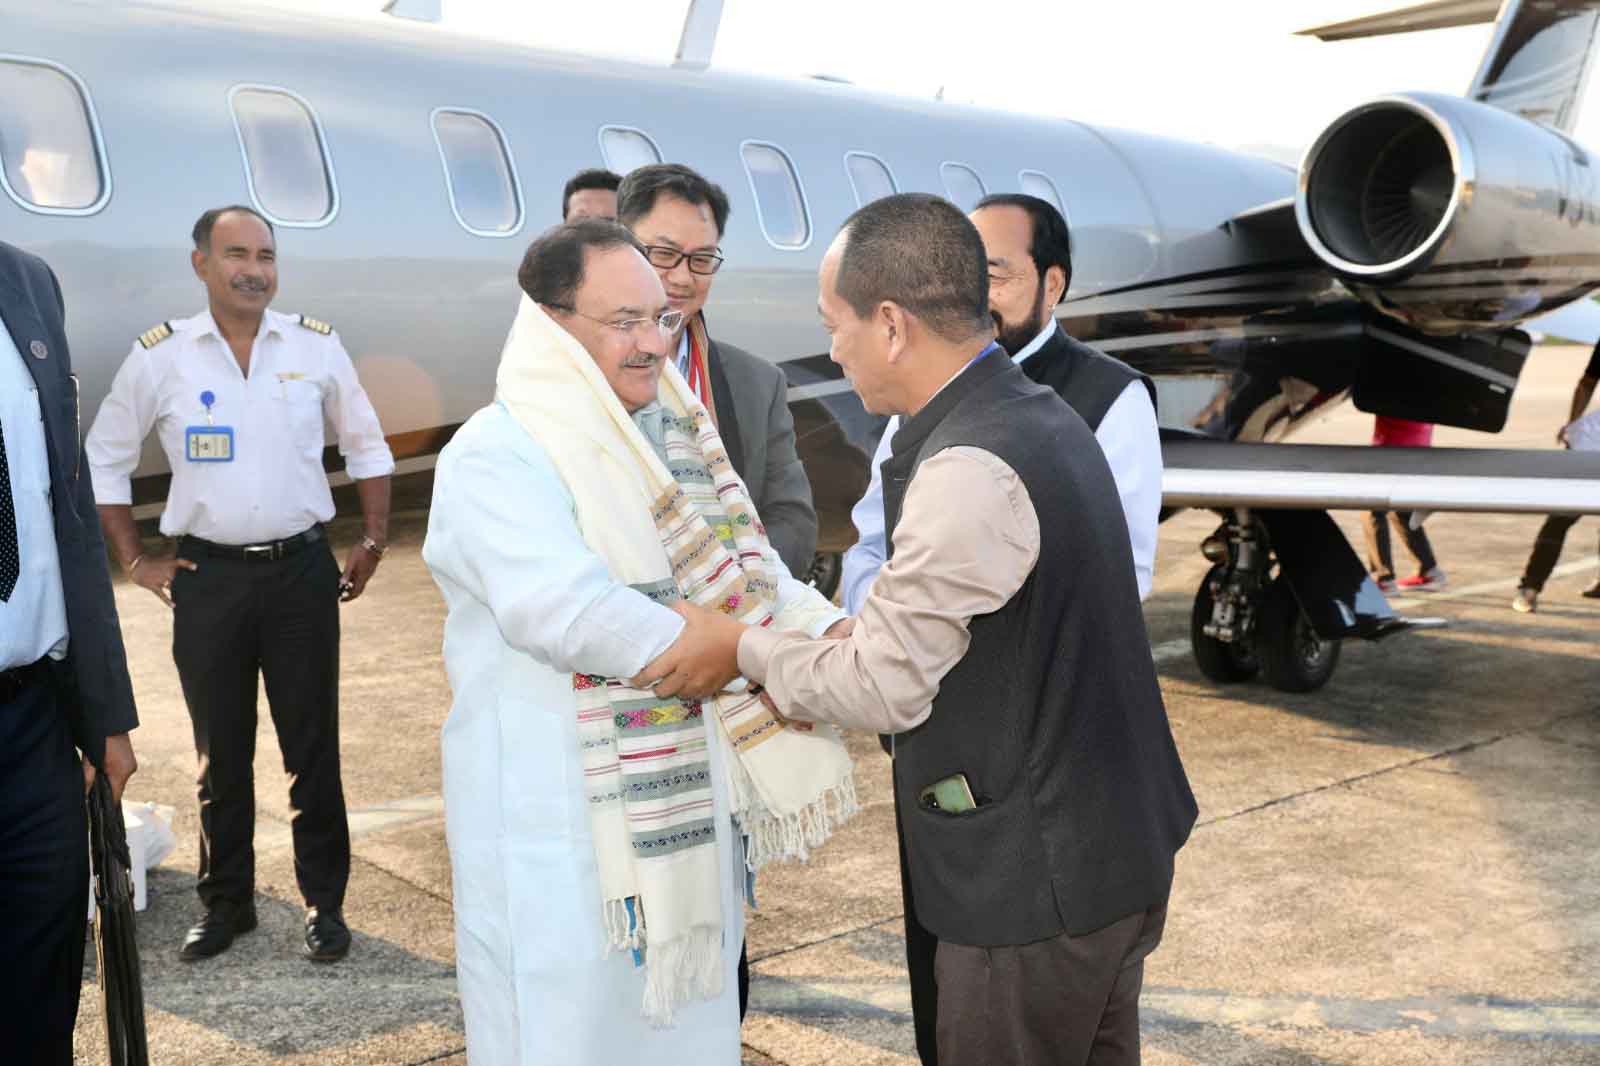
<point x="1247" y="620"/>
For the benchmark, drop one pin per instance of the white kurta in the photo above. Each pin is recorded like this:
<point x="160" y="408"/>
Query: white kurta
<point x="528" y="605"/>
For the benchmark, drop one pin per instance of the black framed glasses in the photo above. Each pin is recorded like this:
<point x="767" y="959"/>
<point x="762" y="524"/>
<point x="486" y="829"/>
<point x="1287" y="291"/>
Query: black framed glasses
<point x="663" y="257"/>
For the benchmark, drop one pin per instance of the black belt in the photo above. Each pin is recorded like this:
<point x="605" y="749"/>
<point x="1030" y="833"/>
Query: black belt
<point x="14" y="681"/>
<point x="268" y="552"/>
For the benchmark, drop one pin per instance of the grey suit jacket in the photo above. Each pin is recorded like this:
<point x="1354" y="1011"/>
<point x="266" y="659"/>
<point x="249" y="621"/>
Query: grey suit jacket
<point x="753" y="418"/>
<point x="95" y="691"/>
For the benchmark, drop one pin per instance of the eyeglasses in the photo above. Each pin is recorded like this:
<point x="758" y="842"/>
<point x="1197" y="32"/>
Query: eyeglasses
<point x="664" y="258"/>
<point x="666" y="323"/>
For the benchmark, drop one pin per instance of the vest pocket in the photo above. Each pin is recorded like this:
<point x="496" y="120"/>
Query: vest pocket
<point x="976" y="877"/>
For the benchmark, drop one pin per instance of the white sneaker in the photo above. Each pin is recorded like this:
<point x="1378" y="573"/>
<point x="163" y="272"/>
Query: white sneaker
<point x="1526" y="601"/>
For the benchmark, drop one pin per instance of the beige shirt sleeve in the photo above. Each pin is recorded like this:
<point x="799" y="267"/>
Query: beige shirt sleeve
<point x="967" y="539"/>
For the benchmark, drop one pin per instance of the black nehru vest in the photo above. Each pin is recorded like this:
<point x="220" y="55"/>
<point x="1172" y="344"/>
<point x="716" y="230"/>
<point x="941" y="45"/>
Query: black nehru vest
<point x="1090" y="381"/>
<point x="1053" y="714"/>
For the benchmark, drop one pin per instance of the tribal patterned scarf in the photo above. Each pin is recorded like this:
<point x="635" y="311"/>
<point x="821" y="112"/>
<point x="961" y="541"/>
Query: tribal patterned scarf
<point x="686" y="529"/>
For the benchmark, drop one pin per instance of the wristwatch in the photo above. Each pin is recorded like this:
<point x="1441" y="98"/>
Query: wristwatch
<point x="374" y="547"/>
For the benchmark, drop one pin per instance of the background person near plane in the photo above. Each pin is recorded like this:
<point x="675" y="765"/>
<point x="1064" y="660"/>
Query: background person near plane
<point x="680" y="218"/>
<point x="590" y="194"/>
<point x="1400" y="433"/>
<point x="237" y="396"/>
<point x="1030" y="268"/>
<point x="586" y="816"/>
<point x="1035" y="773"/>
<point x="1553" y="534"/>
<point x="66" y="704"/>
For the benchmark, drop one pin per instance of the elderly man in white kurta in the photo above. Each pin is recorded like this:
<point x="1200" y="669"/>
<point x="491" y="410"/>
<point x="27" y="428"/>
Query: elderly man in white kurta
<point x="600" y="836"/>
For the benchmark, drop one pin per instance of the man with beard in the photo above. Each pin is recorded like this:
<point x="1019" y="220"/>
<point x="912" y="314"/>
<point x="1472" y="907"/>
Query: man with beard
<point x="238" y="395"/>
<point x="1030" y="268"/>
<point x="1029" y="254"/>
<point x="679" y="217"/>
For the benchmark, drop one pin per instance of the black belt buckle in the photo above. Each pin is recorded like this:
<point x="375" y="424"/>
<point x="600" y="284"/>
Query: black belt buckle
<point x="270" y="553"/>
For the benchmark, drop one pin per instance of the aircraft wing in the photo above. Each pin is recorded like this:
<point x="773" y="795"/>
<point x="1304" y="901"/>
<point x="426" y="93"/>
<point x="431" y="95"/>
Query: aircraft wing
<point x="1217" y="474"/>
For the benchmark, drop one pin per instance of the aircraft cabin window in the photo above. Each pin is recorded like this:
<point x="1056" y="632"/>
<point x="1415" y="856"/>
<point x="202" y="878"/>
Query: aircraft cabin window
<point x="780" y="202"/>
<point x="962" y="185"/>
<point x="869" y="177"/>
<point x="478" y="173"/>
<point x="285" y="158"/>
<point x="626" y="150"/>
<point x="51" y="158"/>
<point x="1036" y="184"/>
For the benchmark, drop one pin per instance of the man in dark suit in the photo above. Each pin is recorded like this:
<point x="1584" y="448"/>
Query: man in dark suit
<point x="64" y="687"/>
<point x="679" y="216"/>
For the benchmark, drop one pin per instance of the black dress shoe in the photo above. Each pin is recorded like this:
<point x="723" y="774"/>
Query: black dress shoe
<point x="215" y="932"/>
<point x="327" y="937"/>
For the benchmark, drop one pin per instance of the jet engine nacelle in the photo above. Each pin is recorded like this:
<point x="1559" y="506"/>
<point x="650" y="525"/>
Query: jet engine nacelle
<point x="1451" y="215"/>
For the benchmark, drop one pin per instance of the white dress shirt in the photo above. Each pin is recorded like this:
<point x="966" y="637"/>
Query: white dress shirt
<point x="275" y="486"/>
<point x="1128" y="436"/>
<point x="33" y="621"/>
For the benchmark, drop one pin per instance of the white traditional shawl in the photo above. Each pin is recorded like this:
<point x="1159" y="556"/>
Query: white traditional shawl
<point x="689" y="532"/>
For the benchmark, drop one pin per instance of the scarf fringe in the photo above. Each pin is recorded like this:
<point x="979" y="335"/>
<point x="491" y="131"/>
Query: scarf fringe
<point x="680" y="970"/>
<point x="789" y="837"/>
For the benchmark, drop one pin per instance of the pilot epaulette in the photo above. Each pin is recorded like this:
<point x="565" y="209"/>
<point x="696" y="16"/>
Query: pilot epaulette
<point x="155" y="335"/>
<point x="315" y="325"/>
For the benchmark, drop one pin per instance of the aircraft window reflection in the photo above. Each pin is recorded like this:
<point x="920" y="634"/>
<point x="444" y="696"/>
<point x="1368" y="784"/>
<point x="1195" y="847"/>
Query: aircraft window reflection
<point x="284" y="157"/>
<point x="478" y="173"/>
<point x="627" y="150"/>
<point x="49" y="156"/>
<point x="962" y="184"/>
<point x="780" y="204"/>
<point x="869" y="177"/>
<point x="1036" y="184"/>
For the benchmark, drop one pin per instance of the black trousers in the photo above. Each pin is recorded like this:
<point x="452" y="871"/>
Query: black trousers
<point x="1380" y="560"/>
<point x="1547" y="549"/>
<point x="44" y="876"/>
<point x="235" y="621"/>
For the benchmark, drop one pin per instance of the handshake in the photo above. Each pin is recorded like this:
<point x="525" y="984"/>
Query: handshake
<point x="705" y="657"/>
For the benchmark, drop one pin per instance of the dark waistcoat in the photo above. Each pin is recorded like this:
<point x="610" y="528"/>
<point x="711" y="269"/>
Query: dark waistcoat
<point x="1090" y="381"/>
<point x="1053" y="714"/>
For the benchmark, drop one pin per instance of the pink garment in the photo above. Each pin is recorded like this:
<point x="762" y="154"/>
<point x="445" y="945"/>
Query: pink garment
<point x="1401" y="433"/>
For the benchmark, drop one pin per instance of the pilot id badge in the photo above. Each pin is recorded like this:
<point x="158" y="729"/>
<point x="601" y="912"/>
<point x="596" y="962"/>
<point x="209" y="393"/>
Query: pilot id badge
<point x="209" y="443"/>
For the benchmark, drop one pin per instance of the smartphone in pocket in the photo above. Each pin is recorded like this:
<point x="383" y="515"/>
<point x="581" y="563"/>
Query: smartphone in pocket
<point x="952" y="795"/>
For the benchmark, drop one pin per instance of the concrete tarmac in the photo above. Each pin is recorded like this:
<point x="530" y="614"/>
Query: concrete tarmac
<point x="1402" y="868"/>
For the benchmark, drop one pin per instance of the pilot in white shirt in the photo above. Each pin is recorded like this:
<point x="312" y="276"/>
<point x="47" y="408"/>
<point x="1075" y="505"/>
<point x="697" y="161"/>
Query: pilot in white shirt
<point x="238" y="396"/>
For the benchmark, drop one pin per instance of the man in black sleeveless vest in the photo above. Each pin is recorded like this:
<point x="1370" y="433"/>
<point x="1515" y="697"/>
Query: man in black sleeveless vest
<point x="1036" y="779"/>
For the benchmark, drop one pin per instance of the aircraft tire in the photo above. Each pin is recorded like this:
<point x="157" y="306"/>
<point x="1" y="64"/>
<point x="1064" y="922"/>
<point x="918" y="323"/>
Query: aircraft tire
<point x="827" y="568"/>
<point x="1219" y="660"/>
<point x="1293" y="658"/>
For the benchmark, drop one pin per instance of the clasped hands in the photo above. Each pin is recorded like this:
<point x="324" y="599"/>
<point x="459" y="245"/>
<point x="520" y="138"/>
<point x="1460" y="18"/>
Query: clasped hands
<point x="705" y="657"/>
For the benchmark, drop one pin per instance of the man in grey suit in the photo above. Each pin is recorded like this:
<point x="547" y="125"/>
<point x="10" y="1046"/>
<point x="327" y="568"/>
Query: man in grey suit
<point x="64" y="687"/>
<point x="679" y="217"/>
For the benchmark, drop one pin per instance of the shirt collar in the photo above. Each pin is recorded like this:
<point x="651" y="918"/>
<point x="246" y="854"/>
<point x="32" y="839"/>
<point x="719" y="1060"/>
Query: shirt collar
<point x="1038" y="342"/>
<point x="205" y="323"/>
